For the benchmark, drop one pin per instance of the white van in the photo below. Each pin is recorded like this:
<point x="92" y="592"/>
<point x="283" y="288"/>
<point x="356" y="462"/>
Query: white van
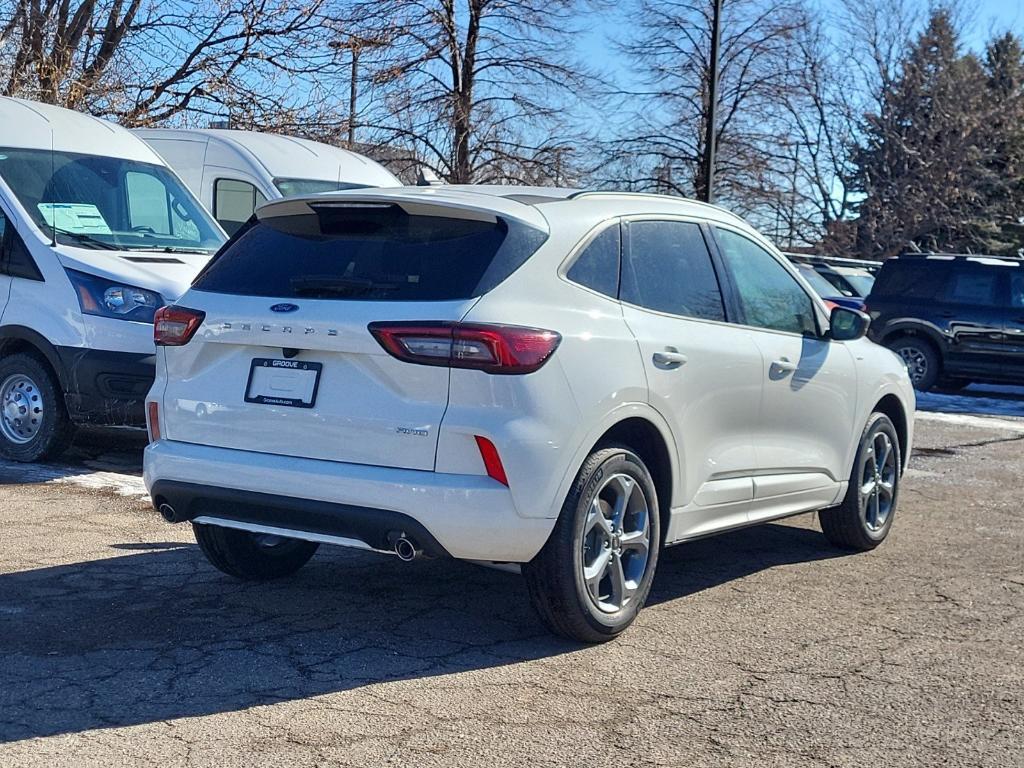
<point x="232" y="172"/>
<point x="96" y="233"/>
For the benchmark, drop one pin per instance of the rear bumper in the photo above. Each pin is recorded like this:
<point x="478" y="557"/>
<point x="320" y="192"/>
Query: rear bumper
<point x="470" y="517"/>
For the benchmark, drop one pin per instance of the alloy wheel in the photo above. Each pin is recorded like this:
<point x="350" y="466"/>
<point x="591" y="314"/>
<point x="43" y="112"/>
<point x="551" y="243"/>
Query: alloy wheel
<point x="616" y="543"/>
<point x="916" y="362"/>
<point x="879" y="475"/>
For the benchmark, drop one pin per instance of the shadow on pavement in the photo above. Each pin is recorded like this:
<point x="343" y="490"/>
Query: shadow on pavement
<point x="158" y="634"/>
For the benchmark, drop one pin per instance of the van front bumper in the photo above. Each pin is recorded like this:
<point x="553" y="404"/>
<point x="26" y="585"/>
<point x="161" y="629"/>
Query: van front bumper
<point x="470" y="517"/>
<point x="106" y="388"/>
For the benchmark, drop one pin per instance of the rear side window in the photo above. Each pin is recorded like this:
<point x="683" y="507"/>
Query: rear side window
<point x="973" y="286"/>
<point x="597" y="267"/>
<point x="1017" y="289"/>
<point x="668" y="269"/>
<point x="370" y="251"/>
<point x="921" y="280"/>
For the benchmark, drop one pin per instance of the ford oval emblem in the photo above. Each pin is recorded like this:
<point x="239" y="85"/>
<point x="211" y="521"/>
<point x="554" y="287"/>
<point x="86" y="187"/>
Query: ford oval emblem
<point x="284" y="307"/>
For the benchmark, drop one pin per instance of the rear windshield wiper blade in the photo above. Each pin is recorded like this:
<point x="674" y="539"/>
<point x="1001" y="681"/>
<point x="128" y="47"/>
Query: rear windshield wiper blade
<point x="85" y="239"/>
<point x="337" y="286"/>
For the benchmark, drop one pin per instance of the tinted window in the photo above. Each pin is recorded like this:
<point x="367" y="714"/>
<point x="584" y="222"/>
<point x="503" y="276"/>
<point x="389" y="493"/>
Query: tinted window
<point x="973" y="286"/>
<point x="370" y="252"/>
<point x="668" y="269"/>
<point x="918" y="280"/>
<point x="1017" y="289"/>
<point x="234" y="202"/>
<point x="15" y="260"/>
<point x="769" y="295"/>
<point x="597" y="267"/>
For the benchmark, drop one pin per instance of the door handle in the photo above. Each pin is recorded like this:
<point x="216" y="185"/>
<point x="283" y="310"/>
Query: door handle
<point x="670" y="359"/>
<point x="783" y="365"/>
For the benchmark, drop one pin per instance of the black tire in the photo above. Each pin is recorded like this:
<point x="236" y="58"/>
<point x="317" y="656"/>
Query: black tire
<point x="40" y="428"/>
<point x="250" y="556"/>
<point x="923" y="361"/>
<point x="848" y="526"/>
<point x="555" y="577"/>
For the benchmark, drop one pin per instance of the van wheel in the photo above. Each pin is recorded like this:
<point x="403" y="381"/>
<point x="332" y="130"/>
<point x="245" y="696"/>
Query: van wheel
<point x="594" y="573"/>
<point x="865" y="517"/>
<point x="922" y="361"/>
<point x="252" y="556"/>
<point x="34" y="423"/>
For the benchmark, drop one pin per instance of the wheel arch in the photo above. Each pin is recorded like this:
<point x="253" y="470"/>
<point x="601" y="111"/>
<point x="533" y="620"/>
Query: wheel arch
<point x="891" y="406"/>
<point x="16" y="339"/>
<point x="916" y="331"/>
<point x="643" y="430"/>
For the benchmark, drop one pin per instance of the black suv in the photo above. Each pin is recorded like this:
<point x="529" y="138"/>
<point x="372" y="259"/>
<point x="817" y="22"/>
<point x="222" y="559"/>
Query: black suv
<point x="953" y="318"/>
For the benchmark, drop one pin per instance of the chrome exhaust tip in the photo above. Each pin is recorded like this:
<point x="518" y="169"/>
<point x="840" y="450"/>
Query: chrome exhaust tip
<point x="168" y="513"/>
<point x="406" y="550"/>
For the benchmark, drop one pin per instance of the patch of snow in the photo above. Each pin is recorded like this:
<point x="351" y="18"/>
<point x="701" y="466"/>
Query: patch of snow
<point x="66" y="474"/>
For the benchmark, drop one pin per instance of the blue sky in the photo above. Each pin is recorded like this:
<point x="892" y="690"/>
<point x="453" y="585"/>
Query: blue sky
<point x="984" y="17"/>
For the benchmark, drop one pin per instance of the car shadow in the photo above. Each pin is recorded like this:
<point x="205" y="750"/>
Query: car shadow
<point x="159" y="634"/>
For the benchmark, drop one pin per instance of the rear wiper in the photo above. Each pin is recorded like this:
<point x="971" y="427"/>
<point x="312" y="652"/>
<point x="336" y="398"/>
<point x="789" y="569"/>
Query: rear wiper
<point x="85" y="239"/>
<point x="337" y="286"/>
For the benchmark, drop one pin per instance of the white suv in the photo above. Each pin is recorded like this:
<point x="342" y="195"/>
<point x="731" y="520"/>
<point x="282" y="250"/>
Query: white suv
<point x="562" y="380"/>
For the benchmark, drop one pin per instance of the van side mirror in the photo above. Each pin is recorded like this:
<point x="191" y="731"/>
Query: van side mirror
<point x="845" y="324"/>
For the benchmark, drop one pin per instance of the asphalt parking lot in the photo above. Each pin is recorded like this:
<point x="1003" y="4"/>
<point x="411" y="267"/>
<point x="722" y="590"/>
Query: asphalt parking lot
<point x="119" y="645"/>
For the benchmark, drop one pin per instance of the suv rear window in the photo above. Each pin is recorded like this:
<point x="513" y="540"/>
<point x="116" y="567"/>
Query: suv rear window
<point x="369" y="251"/>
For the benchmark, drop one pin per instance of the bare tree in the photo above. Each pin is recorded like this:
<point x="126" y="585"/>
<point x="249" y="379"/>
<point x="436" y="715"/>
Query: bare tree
<point x="671" y="51"/>
<point x="145" y="62"/>
<point x="820" y="120"/>
<point x="475" y="89"/>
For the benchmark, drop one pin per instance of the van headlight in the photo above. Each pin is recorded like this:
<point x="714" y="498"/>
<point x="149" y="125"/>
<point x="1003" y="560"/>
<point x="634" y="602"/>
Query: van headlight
<point x="106" y="298"/>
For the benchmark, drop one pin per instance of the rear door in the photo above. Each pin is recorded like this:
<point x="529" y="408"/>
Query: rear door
<point x="970" y="311"/>
<point x="1014" y="321"/>
<point x="806" y="421"/>
<point x="283" y="362"/>
<point x="703" y="375"/>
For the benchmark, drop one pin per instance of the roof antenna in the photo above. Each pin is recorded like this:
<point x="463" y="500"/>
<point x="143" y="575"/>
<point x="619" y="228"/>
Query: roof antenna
<point x="425" y="177"/>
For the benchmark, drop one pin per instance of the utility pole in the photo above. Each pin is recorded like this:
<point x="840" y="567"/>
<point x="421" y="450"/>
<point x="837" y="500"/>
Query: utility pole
<point x="353" y="93"/>
<point x="708" y="192"/>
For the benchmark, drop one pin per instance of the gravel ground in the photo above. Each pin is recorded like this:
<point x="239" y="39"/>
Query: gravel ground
<point x="119" y="645"/>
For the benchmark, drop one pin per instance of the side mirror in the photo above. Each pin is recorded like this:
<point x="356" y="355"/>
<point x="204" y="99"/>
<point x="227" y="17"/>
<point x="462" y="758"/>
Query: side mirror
<point x="845" y="324"/>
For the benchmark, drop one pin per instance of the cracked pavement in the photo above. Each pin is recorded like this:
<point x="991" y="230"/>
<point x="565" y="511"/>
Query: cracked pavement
<point x="120" y="645"/>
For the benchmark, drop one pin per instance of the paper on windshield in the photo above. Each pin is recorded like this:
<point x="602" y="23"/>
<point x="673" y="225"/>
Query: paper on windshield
<point x="80" y="218"/>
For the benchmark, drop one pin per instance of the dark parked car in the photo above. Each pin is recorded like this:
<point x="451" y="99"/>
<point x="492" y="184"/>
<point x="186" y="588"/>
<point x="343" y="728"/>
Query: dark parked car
<point x="954" y="319"/>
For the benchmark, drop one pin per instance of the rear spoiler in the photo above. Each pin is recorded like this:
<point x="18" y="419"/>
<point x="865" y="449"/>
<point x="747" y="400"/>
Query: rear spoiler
<point x="418" y="201"/>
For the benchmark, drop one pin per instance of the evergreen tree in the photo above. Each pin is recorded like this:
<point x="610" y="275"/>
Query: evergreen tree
<point x="1000" y="229"/>
<point x="924" y="164"/>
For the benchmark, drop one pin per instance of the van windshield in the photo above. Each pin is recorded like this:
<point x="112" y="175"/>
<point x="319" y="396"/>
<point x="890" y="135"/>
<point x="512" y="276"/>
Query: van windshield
<point x="108" y="203"/>
<point x="293" y="187"/>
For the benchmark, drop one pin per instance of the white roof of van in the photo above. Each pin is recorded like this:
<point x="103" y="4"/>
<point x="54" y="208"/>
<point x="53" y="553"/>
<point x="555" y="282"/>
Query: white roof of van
<point x="33" y="125"/>
<point x="287" y="156"/>
<point x="525" y="203"/>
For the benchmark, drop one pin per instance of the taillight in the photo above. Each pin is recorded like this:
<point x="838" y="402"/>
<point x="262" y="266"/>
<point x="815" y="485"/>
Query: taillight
<point x="175" y="326"/>
<point x="490" y="348"/>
